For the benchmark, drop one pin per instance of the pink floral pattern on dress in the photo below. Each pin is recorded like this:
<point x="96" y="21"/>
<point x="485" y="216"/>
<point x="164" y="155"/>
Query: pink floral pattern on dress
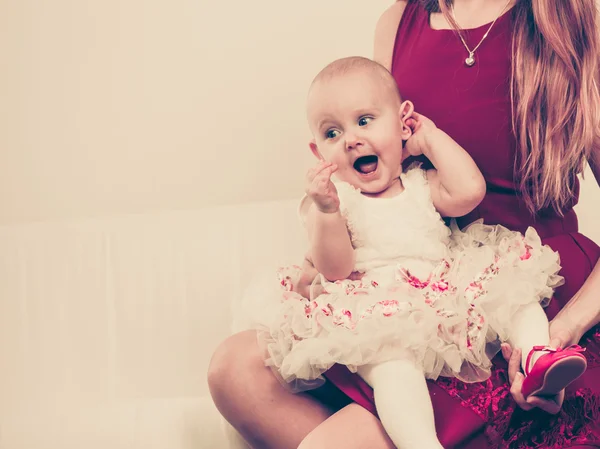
<point x="343" y="318"/>
<point x="286" y="277"/>
<point x="401" y="298"/>
<point x="413" y="281"/>
<point x="388" y="307"/>
<point x="488" y="398"/>
<point x="526" y="255"/>
<point x="359" y="287"/>
<point x="476" y="289"/>
<point x="434" y="288"/>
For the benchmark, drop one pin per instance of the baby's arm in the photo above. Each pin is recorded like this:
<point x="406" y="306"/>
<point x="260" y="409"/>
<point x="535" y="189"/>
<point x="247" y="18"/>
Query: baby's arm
<point x="457" y="185"/>
<point x="330" y="245"/>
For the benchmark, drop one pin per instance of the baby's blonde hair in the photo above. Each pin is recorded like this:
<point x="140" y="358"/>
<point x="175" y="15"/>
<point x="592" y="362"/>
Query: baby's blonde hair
<point x="351" y="64"/>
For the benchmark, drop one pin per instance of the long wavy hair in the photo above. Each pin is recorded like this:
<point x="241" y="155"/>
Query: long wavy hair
<point x="554" y="92"/>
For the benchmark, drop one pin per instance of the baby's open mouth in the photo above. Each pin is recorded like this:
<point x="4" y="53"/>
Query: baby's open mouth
<point x="366" y="164"/>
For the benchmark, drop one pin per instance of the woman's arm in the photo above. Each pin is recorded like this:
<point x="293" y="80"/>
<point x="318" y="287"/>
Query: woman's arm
<point x="385" y="33"/>
<point x="582" y="312"/>
<point x="579" y="315"/>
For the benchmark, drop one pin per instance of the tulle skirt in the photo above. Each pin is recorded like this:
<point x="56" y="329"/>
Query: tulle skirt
<point x="450" y="319"/>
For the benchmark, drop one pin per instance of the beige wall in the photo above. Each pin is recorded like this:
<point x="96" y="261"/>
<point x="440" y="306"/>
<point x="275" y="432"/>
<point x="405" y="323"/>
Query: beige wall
<point x="124" y="106"/>
<point x="113" y="107"/>
<point x="117" y="107"/>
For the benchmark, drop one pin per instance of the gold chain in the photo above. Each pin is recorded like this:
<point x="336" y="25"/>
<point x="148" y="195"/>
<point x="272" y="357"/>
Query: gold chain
<point x="470" y="61"/>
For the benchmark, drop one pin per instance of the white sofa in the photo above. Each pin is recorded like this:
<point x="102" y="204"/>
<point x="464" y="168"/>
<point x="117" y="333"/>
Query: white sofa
<point x="107" y="325"/>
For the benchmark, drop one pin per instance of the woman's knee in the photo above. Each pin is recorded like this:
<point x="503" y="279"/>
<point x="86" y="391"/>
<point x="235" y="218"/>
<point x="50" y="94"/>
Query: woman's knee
<point x="235" y="358"/>
<point x="350" y="427"/>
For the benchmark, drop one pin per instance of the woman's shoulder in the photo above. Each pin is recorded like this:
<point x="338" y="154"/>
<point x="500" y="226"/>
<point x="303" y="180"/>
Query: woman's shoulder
<point x="385" y="33"/>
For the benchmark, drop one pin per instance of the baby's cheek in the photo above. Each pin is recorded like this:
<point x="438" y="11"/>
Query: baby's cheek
<point x="344" y="173"/>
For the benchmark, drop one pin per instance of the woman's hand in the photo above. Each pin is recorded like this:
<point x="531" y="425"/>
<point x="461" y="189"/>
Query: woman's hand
<point x="550" y="405"/>
<point x="563" y="331"/>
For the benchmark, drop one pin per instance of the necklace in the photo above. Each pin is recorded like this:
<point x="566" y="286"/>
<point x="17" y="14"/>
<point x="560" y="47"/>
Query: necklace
<point x="470" y="61"/>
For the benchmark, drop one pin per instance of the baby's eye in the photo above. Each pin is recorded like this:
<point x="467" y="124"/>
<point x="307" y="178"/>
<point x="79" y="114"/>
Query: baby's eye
<point x="331" y="133"/>
<point x="363" y="121"/>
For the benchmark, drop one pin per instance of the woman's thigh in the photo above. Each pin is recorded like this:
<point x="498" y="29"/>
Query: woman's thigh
<point x="254" y="402"/>
<point x="352" y="427"/>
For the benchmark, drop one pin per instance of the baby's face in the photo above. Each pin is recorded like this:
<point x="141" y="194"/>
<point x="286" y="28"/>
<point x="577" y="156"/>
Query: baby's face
<point x="356" y="124"/>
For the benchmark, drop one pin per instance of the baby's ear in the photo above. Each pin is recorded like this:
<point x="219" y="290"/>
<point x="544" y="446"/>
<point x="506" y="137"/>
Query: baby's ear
<point x="315" y="150"/>
<point x="405" y="113"/>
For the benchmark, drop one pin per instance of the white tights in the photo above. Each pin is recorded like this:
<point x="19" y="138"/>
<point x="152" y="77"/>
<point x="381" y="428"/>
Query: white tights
<point x="401" y="394"/>
<point x="403" y="403"/>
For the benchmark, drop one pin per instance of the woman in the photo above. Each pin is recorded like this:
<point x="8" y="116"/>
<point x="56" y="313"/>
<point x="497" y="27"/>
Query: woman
<point x="465" y="82"/>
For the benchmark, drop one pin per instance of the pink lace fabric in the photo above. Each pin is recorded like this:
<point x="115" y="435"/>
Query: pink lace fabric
<point x="509" y="427"/>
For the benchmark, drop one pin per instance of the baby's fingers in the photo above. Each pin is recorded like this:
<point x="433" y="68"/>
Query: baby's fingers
<point x="324" y="176"/>
<point x="416" y="116"/>
<point x="316" y="170"/>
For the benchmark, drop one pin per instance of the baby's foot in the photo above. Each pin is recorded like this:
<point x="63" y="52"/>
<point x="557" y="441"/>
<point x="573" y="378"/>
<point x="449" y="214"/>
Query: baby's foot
<point x="553" y="371"/>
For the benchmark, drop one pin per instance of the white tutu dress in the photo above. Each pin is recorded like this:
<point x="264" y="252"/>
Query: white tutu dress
<point x="445" y="296"/>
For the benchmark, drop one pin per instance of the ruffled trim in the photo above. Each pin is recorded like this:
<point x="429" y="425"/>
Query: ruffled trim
<point x="499" y="272"/>
<point x="447" y="319"/>
<point x="354" y="337"/>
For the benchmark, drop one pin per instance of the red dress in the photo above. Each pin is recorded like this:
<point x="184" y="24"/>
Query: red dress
<point x="472" y="104"/>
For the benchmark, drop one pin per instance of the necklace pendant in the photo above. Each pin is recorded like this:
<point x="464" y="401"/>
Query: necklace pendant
<point x="470" y="60"/>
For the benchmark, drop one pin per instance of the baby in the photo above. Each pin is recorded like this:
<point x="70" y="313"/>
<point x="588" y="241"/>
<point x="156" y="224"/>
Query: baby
<point x="399" y="298"/>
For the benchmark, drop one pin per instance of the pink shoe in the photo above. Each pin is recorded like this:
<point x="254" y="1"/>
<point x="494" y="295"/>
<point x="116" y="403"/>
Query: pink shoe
<point x="552" y="372"/>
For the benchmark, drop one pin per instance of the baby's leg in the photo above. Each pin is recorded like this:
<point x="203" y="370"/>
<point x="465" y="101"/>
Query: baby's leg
<point x="403" y="403"/>
<point x="529" y="329"/>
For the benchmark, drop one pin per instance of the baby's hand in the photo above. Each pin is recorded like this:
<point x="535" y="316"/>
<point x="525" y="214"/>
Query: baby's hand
<point x="422" y="129"/>
<point x="320" y="189"/>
